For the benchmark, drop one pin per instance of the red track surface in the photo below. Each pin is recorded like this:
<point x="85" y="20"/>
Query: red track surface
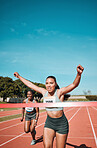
<point x="8" y="113"/>
<point x="82" y="133"/>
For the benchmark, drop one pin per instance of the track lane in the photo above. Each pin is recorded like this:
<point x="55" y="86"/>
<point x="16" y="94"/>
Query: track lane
<point x="80" y="131"/>
<point x="11" y="122"/>
<point x="12" y="142"/>
<point x="75" y="138"/>
<point x="17" y="128"/>
<point x="93" y="121"/>
<point x="9" y="113"/>
<point x="22" y="125"/>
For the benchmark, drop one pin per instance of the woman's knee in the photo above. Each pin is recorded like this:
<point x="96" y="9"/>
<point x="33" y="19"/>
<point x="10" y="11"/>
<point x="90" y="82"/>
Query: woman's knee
<point x="47" y="145"/>
<point x="27" y="130"/>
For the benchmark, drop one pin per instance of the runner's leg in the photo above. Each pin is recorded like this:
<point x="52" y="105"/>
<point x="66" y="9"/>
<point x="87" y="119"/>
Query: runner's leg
<point x="48" y="137"/>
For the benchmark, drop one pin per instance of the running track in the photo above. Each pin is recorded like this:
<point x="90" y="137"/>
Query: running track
<point x="82" y="134"/>
<point x="8" y="113"/>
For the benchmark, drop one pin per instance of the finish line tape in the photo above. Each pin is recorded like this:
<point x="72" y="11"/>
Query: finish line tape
<point x="60" y="104"/>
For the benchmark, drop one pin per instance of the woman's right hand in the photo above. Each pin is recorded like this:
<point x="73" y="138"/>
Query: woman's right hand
<point x="21" y="119"/>
<point x="16" y="74"/>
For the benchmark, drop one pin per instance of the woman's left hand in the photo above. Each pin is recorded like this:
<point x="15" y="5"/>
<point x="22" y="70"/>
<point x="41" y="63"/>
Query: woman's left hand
<point x="35" y="122"/>
<point x="80" y="69"/>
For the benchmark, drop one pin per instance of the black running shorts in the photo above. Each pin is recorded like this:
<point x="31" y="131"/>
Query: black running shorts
<point x="59" y="125"/>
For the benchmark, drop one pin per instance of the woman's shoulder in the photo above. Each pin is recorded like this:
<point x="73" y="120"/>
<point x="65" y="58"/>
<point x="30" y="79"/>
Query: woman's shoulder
<point x="35" y="101"/>
<point x="45" y="92"/>
<point x="25" y="100"/>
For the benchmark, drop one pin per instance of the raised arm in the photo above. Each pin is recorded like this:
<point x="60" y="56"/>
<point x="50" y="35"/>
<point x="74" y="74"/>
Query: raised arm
<point x="75" y="83"/>
<point x="30" y="84"/>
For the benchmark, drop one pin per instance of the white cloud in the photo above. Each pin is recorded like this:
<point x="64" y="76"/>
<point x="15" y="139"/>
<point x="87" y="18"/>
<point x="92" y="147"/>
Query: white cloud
<point x="24" y="24"/>
<point x="12" y="29"/>
<point x="39" y="30"/>
<point x="93" y="39"/>
<point x="3" y="53"/>
<point x="84" y="46"/>
<point x="30" y="36"/>
<point x="14" y="61"/>
<point x="45" y="32"/>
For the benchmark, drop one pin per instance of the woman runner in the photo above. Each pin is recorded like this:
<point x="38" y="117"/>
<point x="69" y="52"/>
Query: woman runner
<point x="31" y="117"/>
<point x="56" y="123"/>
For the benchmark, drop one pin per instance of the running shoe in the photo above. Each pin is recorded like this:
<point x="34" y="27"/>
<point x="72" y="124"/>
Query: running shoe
<point x="33" y="142"/>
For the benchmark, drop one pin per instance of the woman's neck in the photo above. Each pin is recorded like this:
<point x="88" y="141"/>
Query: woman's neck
<point x="30" y="99"/>
<point x="51" y="93"/>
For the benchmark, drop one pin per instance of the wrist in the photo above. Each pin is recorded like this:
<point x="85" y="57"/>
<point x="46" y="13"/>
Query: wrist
<point x="19" y="76"/>
<point x="79" y="74"/>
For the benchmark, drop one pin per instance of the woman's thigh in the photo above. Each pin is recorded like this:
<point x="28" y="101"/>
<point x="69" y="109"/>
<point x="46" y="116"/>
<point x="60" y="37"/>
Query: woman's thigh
<point x="27" y="126"/>
<point x="48" y="137"/>
<point x="61" y="140"/>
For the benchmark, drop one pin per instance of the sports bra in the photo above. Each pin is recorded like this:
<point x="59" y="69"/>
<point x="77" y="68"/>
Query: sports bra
<point x="29" y="109"/>
<point x="52" y="99"/>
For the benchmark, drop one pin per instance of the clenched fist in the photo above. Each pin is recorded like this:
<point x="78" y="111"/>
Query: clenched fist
<point x="16" y="74"/>
<point x="80" y="69"/>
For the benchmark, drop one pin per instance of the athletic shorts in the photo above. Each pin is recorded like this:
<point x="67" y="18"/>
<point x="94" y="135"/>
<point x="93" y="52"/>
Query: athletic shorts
<point x="59" y="125"/>
<point x="29" y="117"/>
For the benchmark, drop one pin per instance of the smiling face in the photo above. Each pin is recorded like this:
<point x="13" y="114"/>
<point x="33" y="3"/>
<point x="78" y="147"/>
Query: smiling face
<point x="29" y="95"/>
<point x="50" y="85"/>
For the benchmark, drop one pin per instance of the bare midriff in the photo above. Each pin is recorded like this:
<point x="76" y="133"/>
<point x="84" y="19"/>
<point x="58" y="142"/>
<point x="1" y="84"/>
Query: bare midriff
<point x="55" y="114"/>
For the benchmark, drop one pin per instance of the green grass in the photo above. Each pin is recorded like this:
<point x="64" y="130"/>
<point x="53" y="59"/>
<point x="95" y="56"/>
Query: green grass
<point x="92" y="97"/>
<point x="8" y="109"/>
<point x="10" y="117"/>
<point x="14" y="116"/>
<point x="3" y="102"/>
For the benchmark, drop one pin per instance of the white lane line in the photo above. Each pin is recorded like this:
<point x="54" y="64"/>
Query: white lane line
<point x="14" y="125"/>
<point x="92" y="126"/>
<point x="10" y="126"/>
<point x="17" y="136"/>
<point x="69" y="110"/>
<point x="94" y="108"/>
<point x="74" y="115"/>
<point x="11" y="139"/>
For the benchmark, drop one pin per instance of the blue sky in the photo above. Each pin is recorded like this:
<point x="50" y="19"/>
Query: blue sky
<point x="49" y="37"/>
